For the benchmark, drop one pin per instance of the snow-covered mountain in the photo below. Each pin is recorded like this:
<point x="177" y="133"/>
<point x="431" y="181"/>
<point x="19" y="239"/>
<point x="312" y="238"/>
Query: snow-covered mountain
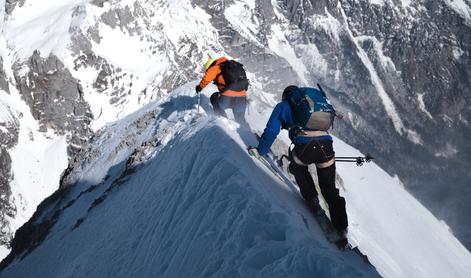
<point x="167" y="192"/>
<point x="399" y="70"/>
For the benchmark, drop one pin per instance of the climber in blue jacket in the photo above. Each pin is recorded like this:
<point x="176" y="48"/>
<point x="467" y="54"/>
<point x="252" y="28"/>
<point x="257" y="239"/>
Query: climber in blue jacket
<point x="310" y="146"/>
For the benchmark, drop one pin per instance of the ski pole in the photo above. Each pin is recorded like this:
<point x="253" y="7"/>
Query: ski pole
<point x="367" y="157"/>
<point x="359" y="160"/>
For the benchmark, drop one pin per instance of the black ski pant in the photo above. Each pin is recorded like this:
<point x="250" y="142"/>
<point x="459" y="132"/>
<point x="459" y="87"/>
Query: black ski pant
<point x="237" y="104"/>
<point x="320" y="151"/>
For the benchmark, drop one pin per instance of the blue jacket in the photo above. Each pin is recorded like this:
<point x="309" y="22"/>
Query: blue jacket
<point x="282" y="114"/>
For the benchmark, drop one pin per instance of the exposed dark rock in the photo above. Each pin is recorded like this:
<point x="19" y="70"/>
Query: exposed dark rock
<point x="11" y="4"/>
<point x="8" y="140"/>
<point x="3" y="78"/>
<point x="55" y="99"/>
<point x="124" y="18"/>
<point x="98" y="3"/>
<point x="7" y="209"/>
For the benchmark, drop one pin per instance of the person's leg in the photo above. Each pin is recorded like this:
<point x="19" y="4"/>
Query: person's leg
<point x="304" y="181"/>
<point x="320" y="152"/>
<point x="215" y="100"/>
<point x="338" y="213"/>
<point x="239" y="105"/>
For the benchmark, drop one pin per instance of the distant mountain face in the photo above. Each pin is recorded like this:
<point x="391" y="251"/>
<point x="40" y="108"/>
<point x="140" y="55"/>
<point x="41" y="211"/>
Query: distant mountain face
<point x="400" y="71"/>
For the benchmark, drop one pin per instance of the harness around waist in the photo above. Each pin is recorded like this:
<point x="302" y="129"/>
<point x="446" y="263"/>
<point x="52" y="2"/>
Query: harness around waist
<point x="313" y="133"/>
<point x="230" y="93"/>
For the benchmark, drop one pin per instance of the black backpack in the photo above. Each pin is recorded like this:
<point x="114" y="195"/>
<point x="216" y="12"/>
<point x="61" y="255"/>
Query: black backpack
<point x="234" y="76"/>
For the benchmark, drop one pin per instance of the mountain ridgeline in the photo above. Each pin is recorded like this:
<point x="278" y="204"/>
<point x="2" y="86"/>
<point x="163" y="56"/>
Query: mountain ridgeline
<point x="400" y="72"/>
<point x="168" y="191"/>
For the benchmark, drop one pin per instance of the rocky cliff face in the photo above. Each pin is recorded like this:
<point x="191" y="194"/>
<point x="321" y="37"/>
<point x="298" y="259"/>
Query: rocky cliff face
<point x="9" y="127"/>
<point x="399" y="71"/>
<point x="55" y="98"/>
<point x="428" y="79"/>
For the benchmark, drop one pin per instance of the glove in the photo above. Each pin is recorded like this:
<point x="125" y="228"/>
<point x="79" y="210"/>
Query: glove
<point x="254" y="152"/>
<point x="198" y="89"/>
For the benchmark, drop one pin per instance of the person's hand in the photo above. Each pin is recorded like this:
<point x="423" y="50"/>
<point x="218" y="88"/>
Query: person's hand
<point x="198" y="88"/>
<point x="254" y="152"/>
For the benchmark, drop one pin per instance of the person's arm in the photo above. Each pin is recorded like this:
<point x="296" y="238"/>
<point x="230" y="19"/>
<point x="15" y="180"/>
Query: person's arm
<point x="271" y="130"/>
<point x="209" y="76"/>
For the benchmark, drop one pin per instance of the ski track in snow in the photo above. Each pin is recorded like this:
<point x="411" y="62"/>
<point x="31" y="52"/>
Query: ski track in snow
<point x="197" y="205"/>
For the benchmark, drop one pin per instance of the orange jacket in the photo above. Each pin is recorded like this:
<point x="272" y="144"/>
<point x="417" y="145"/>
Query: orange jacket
<point x="214" y="74"/>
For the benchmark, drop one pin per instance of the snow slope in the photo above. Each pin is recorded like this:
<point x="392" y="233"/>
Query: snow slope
<point x="166" y="192"/>
<point x="57" y="28"/>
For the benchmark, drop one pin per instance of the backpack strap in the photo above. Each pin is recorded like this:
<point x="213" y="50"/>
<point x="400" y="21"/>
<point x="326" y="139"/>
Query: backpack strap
<point x="310" y="102"/>
<point x="219" y="74"/>
<point x="216" y="82"/>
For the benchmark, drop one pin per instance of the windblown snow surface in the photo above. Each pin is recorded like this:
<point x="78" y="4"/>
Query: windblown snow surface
<point x="167" y="192"/>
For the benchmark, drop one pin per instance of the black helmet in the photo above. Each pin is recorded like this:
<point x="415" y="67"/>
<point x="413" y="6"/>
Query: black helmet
<point x="287" y="92"/>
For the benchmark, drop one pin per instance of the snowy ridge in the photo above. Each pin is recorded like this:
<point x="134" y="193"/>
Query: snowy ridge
<point x="175" y="194"/>
<point x="189" y="209"/>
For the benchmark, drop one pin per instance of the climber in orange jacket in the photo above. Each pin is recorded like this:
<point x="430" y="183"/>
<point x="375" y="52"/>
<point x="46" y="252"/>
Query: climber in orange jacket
<point x="231" y="80"/>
